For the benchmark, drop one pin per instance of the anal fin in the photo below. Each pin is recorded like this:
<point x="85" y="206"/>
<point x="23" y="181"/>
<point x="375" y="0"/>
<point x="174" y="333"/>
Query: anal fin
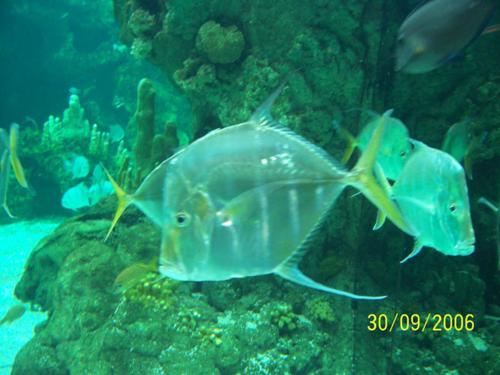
<point x="416" y="249"/>
<point x="294" y="275"/>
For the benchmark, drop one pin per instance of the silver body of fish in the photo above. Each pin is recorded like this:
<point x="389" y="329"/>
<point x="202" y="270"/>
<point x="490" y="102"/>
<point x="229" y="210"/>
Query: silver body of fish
<point x="245" y="200"/>
<point x="439" y="30"/>
<point x="432" y="195"/>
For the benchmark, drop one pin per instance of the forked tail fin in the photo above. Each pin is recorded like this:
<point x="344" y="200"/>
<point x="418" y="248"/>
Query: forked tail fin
<point x="361" y="177"/>
<point x="123" y="201"/>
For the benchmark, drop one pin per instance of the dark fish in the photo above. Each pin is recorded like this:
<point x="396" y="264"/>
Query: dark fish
<point x="14" y="313"/>
<point x="438" y="31"/>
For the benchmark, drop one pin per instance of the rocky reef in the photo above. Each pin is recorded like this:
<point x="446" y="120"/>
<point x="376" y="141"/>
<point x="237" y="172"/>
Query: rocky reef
<point x="226" y="56"/>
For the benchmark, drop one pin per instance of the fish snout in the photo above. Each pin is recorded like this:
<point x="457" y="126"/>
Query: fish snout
<point x="172" y="270"/>
<point x="465" y="247"/>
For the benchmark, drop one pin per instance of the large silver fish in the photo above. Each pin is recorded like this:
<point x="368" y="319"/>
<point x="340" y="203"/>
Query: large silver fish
<point x="432" y="195"/>
<point x="8" y="157"/>
<point x="245" y="201"/>
<point x="439" y="30"/>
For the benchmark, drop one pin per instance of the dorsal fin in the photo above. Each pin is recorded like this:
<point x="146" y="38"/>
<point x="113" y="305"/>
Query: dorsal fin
<point x="262" y="114"/>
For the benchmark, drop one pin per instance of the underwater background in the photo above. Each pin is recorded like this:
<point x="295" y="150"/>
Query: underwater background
<point x="126" y="84"/>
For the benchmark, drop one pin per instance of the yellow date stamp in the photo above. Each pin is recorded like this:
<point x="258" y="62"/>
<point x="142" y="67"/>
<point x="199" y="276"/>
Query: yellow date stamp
<point x="420" y="323"/>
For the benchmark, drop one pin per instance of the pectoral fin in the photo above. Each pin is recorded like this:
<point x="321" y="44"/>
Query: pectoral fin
<point x="416" y="249"/>
<point x="293" y="274"/>
<point x="468" y="165"/>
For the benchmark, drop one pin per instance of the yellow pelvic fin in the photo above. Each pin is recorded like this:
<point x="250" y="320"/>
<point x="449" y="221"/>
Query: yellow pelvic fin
<point x="14" y="159"/>
<point x="468" y="165"/>
<point x="363" y="179"/>
<point x="350" y="140"/>
<point x="123" y="201"/>
<point x="381" y="216"/>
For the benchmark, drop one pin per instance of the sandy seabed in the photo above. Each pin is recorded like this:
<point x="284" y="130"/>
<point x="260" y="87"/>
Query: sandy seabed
<point x="16" y="242"/>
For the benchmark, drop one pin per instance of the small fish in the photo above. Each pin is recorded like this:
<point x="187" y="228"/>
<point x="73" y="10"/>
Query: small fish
<point x="78" y="167"/>
<point x="432" y="195"/>
<point x="133" y="274"/>
<point x="76" y="197"/>
<point x="495" y="209"/>
<point x="8" y="158"/>
<point x="394" y="149"/>
<point x="246" y="200"/>
<point x="116" y="133"/>
<point x="438" y="31"/>
<point x="459" y="142"/>
<point x="14" y="313"/>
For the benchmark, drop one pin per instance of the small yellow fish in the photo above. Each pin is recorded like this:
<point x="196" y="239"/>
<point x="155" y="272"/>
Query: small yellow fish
<point x="133" y="274"/>
<point x="14" y="313"/>
<point x="8" y="157"/>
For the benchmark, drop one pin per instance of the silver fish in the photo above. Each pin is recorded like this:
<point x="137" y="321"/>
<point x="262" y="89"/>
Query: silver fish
<point x="439" y="30"/>
<point x="432" y="195"/>
<point x="246" y="200"/>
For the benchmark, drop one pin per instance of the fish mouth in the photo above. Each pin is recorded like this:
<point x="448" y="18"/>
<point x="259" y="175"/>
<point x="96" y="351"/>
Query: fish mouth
<point x="172" y="271"/>
<point x="465" y="247"/>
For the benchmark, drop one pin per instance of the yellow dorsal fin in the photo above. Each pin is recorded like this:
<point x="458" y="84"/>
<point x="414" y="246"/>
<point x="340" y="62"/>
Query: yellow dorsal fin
<point x="123" y="201"/>
<point x="363" y="179"/>
<point x="14" y="159"/>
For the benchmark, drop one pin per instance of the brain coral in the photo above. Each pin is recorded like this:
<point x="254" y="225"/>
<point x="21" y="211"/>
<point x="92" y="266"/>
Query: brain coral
<point x="221" y="45"/>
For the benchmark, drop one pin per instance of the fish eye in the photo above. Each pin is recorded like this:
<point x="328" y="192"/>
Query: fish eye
<point x="182" y="219"/>
<point x="452" y="207"/>
<point x="402" y="153"/>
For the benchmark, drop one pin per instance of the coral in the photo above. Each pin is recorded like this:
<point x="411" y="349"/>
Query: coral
<point x="141" y="22"/>
<point x="141" y="48"/>
<point x="152" y="292"/>
<point x="320" y="309"/>
<point x="284" y="318"/>
<point x="221" y="45"/>
<point x="99" y="144"/>
<point x="187" y="320"/>
<point x="73" y="126"/>
<point x="210" y="335"/>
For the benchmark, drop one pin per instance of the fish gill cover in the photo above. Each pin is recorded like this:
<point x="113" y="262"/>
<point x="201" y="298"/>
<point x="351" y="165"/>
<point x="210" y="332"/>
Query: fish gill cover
<point x="110" y="312"/>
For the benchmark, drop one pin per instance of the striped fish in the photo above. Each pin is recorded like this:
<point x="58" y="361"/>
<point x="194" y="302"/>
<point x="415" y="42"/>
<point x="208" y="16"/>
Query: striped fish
<point x="8" y="158"/>
<point x="245" y="200"/>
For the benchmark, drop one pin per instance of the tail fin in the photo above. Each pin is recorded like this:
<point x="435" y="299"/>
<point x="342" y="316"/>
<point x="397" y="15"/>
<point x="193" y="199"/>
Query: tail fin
<point x="361" y="177"/>
<point x="14" y="159"/>
<point x="123" y="201"/>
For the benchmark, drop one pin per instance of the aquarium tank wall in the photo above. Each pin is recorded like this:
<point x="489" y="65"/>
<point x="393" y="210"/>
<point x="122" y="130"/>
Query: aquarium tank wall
<point x="249" y="187"/>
